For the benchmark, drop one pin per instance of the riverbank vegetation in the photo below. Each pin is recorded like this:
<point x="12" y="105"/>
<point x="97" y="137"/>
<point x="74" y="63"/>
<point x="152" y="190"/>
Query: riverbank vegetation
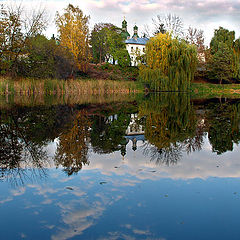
<point x="173" y="60"/>
<point x="63" y="87"/>
<point x="207" y="90"/>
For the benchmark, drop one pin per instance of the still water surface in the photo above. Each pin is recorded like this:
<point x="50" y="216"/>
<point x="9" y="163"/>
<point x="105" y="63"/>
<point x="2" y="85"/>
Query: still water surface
<point x="155" y="167"/>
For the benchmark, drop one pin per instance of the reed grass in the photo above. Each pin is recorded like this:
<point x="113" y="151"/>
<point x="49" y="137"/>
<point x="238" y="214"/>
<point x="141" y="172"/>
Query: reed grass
<point x="60" y="87"/>
<point x="9" y="100"/>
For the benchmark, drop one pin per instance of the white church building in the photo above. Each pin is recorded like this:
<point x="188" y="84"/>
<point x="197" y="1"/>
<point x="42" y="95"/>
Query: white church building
<point x="135" y="45"/>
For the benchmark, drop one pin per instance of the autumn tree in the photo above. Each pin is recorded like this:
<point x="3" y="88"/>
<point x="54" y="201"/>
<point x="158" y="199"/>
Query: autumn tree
<point x="73" y="32"/>
<point x="16" y="27"/>
<point x="72" y="149"/>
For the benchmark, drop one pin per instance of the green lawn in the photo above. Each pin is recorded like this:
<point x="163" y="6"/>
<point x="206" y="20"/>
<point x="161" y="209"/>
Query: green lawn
<point x="212" y="90"/>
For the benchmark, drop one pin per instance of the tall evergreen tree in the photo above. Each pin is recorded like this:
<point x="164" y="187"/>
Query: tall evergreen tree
<point x="224" y="63"/>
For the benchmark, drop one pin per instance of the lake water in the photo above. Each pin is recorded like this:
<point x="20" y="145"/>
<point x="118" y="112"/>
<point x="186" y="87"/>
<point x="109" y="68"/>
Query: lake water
<point x="160" y="167"/>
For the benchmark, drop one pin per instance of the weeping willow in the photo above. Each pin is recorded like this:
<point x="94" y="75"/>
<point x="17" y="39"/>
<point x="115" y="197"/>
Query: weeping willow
<point x="171" y="64"/>
<point x="170" y="119"/>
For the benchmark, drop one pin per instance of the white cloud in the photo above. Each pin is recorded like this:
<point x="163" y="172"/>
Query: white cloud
<point x="205" y="14"/>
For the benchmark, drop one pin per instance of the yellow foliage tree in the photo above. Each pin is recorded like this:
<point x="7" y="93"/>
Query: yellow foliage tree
<point x="73" y="34"/>
<point x="72" y="149"/>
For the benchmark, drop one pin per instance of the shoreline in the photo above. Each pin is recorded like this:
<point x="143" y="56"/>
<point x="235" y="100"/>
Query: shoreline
<point x="40" y="87"/>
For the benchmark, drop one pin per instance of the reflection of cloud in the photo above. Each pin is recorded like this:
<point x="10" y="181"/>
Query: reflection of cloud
<point x="126" y="182"/>
<point x="141" y="232"/>
<point x="136" y="231"/>
<point x="77" y="220"/>
<point x="22" y="235"/>
<point x="117" y="235"/>
<point x="47" y="201"/>
<point x="6" y="200"/>
<point x="18" y="192"/>
<point x="202" y="164"/>
<point x="50" y="226"/>
<point x="14" y="193"/>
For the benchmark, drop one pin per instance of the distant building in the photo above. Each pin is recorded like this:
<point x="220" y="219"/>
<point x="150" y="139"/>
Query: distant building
<point x="135" y="45"/>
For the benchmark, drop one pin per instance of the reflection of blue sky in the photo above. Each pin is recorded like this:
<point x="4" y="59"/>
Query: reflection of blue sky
<point x="202" y="164"/>
<point x="146" y="209"/>
<point x="136" y="200"/>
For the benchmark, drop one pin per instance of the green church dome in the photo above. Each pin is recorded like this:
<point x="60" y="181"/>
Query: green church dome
<point x="124" y="32"/>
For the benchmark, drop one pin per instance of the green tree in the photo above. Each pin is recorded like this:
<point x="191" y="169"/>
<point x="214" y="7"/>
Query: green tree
<point x="123" y="58"/>
<point x="223" y="120"/>
<point x="107" y="42"/>
<point x="46" y="59"/>
<point x="224" y="43"/>
<point x="107" y="136"/>
<point x="220" y="65"/>
<point x="101" y="41"/>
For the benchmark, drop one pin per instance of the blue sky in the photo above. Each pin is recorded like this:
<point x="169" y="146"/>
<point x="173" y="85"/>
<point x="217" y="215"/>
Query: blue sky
<point x="204" y="14"/>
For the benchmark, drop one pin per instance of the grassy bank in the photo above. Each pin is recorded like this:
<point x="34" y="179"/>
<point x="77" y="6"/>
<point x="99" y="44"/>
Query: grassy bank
<point x="212" y="90"/>
<point x="60" y="87"/>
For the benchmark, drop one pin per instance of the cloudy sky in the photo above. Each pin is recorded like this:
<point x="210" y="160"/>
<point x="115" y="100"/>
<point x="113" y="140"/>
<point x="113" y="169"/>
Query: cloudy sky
<point x="204" y="14"/>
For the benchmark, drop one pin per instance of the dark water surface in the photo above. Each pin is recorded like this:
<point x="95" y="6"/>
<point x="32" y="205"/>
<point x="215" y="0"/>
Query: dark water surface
<point x="145" y="167"/>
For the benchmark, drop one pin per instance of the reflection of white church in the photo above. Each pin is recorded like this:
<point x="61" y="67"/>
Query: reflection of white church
<point x="135" y="131"/>
<point x="134" y="45"/>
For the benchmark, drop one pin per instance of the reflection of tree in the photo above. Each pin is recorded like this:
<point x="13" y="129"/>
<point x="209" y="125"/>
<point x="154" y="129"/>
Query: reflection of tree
<point x="168" y="156"/>
<point x="20" y="153"/>
<point x="195" y="142"/>
<point x="171" y="126"/>
<point x="223" y="121"/>
<point x="72" y="148"/>
<point x="107" y="134"/>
